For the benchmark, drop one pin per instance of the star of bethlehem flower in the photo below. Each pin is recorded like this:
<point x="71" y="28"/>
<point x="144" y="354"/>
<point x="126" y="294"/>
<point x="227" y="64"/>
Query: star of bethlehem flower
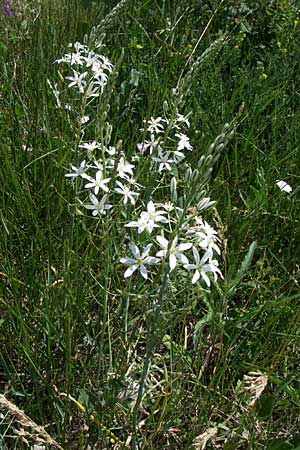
<point x="90" y="59"/>
<point x="164" y="160"/>
<point x="98" y="72"/>
<point x="152" y="145"/>
<point x="77" y="171"/>
<point x="152" y="214"/>
<point x="89" y="146"/>
<point x="174" y="251"/>
<point x="98" y="183"/>
<point x="155" y="125"/>
<point x="126" y="192"/>
<point x="139" y="261"/>
<point x="78" y="80"/>
<point x="202" y="266"/>
<point x="124" y="168"/>
<point x="283" y="186"/>
<point x="209" y="238"/>
<point x="148" y="219"/>
<point x="182" y="119"/>
<point x="142" y="224"/>
<point x="184" y="142"/>
<point x="205" y="235"/>
<point x="98" y="207"/>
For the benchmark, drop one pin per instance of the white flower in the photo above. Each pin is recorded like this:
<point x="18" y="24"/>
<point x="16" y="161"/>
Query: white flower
<point x="77" y="171"/>
<point x="26" y="149"/>
<point x="163" y="160"/>
<point x="152" y="214"/>
<point x="106" y="63"/>
<point x="98" y="72"/>
<point x="142" y="224"/>
<point x="89" y="146"/>
<point x="155" y="125"/>
<point x="84" y="119"/>
<point x="209" y="238"/>
<point x="78" y="47"/>
<point x="90" y="59"/>
<point x="184" y="142"/>
<point x="75" y="58"/>
<point x="201" y="268"/>
<point x="206" y="236"/>
<point x="139" y="261"/>
<point x="98" y="183"/>
<point x="92" y="90"/>
<point x="111" y="150"/>
<point x="98" y="207"/>
<point x="71" y="58"/>
<point x="152" y="145"/>
<point x="283" y="186"/>
<point x="174" y="251"/>
<point x="181" y="119"/>
<point x="126" y="192"/>
<point x="78" y="80"/>
<point x="124" y="167"/>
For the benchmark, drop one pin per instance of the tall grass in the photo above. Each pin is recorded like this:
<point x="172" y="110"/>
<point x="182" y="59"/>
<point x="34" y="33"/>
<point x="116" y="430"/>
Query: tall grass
<point x="93" y="359"/>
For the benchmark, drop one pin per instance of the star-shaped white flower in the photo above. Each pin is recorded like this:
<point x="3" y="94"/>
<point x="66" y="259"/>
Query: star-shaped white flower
<point x="89" y="146"/>
<point x="139" y="261"/>
<point x="152" y="145"/>
<point x="126" y="192"/>
<point x="164" y="160"/>
<point x="155" y="125"/>
<point x="207" y="237"/>
<point x="152" y="214"/>
<point x="174" y="251"/>
<point x="124" y="168"/>
<point x="98" y="183"/>
<point x="98" y="207"/>
<point x="77" y="171"/>
<point x="78" y="80"/>
<point x="203" y="266"/>
<point x="184" y="142"/>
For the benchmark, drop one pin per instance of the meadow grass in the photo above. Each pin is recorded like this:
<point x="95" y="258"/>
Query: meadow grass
<point x="93" y="359"/>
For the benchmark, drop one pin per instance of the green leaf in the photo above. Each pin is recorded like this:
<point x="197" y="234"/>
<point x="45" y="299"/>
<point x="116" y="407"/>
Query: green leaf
<point x="243" y="269"/>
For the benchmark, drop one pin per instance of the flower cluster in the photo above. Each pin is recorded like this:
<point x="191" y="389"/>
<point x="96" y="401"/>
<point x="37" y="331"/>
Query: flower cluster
<point x="90" y="74"/>
<point x="167" y="150"/>
<point x="200" y="238"/>
<point x="111" y="175"/>
<point x="106" y="177"/>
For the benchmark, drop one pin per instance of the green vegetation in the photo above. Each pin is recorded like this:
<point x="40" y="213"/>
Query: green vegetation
<point x="155" y="359"/>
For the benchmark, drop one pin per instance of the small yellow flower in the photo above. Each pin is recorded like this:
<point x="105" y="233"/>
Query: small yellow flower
<point x="139" y="46"/>
<point x="263" y="76"/>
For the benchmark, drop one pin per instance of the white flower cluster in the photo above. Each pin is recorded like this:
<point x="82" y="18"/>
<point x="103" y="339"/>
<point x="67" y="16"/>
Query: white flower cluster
<point x="105" y="173"/>
<point x="202" y="237"/>
<point x="203" y="240"/>
<point x="169" y="152"/>
<point x="90" y="73"/>
<point x="103" y="168"/>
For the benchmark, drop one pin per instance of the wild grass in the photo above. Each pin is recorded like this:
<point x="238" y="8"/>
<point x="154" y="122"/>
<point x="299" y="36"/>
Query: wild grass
<point x="90" y="359"/>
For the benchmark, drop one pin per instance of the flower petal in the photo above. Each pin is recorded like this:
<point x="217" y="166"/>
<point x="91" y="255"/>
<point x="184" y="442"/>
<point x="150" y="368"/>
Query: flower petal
<point x="130" y="270"/>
